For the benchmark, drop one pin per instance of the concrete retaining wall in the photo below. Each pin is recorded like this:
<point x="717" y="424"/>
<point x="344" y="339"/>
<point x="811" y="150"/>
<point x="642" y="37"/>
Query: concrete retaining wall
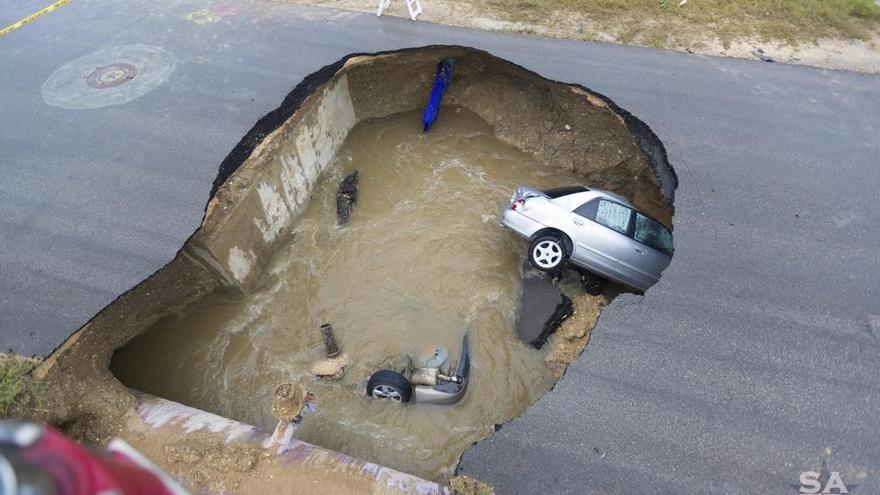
<point x="252" y="213"/>
<point x="182" y="439"/>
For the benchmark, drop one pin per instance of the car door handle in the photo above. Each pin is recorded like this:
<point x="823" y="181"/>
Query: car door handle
<point x="577" y="222"/>
<point x="640" y="251"/>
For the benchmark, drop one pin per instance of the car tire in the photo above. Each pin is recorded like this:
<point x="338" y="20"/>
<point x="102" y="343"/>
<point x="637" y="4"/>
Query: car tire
<point x="388" y="384"/>
<point x="547" y="253"/>
<point x="593" y="284"/>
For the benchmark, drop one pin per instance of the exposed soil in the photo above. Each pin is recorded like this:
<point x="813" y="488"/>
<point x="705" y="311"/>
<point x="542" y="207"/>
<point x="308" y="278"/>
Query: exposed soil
<point x="572" y="336"/>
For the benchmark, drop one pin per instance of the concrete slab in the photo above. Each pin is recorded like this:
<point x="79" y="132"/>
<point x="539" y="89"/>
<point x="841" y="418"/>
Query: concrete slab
<point x="542" y="308"/>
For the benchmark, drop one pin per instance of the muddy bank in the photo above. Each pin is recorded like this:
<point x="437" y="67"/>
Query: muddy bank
<point x="268" y="180"/>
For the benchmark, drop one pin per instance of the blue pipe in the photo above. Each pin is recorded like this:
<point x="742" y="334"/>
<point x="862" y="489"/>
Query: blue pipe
<point x="441" y="81"/>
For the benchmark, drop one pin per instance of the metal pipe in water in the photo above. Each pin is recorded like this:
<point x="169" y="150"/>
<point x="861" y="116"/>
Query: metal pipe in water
<point x="331" y="347"/>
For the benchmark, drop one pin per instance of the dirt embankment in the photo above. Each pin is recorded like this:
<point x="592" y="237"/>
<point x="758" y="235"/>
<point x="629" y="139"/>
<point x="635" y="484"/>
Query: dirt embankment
<point x="573" y="335"/>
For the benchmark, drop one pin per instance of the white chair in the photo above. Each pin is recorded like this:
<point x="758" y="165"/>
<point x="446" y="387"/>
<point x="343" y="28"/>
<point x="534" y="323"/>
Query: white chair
<point x="415" y="8"/>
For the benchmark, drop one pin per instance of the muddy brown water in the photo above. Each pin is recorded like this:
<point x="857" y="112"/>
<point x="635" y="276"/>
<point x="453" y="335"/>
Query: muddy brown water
<point x="421" y="261"/>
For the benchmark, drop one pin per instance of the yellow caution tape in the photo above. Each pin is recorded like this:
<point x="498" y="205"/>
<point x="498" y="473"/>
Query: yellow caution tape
<point x="13" y="27"/>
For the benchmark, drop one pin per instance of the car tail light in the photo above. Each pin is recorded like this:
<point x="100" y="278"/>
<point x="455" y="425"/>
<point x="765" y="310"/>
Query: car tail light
<point x="516" y="204"/>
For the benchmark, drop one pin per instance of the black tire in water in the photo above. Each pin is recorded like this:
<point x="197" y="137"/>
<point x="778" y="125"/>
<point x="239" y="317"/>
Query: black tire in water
<point x="547" y="253"/>
<point x="389" y="384"/>
<point x="593" y="284"/>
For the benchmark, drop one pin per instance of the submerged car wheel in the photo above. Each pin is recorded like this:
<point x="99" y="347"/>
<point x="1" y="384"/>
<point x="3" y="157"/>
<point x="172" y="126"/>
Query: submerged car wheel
<point x="547" y="253"/>
<point x="388" y="384"/>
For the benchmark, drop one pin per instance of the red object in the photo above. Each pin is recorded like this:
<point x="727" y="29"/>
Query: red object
<point x="76" y="470"/>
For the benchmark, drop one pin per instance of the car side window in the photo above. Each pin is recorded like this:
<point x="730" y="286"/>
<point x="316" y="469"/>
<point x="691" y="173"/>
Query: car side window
<point x="653" y="234"/>
<point x="613" y="215"/>
<point x="608" y="213"/>
<point x="588" y="209"/>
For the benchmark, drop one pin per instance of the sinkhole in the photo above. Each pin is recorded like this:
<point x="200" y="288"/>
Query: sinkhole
<point x="421" y="261"/>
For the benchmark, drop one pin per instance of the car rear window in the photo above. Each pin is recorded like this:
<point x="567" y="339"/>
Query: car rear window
<point x="564" y="191"/>
<point x="653" y="234"/>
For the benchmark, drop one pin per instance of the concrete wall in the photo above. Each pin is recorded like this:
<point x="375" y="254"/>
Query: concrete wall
<point x="181" y="439"/>
<point x="252" y="213"/>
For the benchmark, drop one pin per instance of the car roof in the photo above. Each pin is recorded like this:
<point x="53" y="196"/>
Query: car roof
<point x="614" y="196"/>
<point x="581" y="194"/>
<point x="578" y="198"/>
<point x="558" y="192"/>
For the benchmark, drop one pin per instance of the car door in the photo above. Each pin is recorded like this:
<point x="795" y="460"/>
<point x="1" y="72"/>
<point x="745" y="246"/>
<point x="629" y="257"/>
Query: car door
<point x="652" y="250"/>
<point x="599" y="229"/>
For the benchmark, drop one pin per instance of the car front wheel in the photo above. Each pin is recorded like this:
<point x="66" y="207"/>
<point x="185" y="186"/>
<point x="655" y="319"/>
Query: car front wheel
<point x="547" y="253"/>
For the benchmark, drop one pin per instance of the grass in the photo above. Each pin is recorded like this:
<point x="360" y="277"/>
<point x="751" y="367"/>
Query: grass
<point x="465" y="485"/>
<point x="664" y="22"/>
<point x="17" y="388"/>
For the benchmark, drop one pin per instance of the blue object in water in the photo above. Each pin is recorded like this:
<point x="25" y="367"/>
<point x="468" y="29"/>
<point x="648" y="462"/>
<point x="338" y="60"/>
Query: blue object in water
<point x="441" y="81"/>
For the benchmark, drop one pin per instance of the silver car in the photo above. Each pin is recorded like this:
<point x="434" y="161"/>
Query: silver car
<point x="424" y="385"/>
<point x="594" y="229"/>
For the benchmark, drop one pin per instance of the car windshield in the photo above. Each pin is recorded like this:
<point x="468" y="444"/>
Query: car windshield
<point x="653" y="234"/>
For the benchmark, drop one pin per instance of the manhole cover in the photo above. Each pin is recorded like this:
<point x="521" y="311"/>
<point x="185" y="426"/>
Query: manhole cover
<point x="111" y="75"/>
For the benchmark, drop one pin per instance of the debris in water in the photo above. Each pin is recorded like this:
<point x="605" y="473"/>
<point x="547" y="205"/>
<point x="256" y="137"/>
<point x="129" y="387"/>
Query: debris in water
<point x="333" y="369"/>
<point x="438" y="358"/>
<point x="288" y="405"/>
<point x="335" y="362"/>
<point x="346" y="197"/>
<point x="441" y="81"/>
<point x="289" y="401"/>
<point x="331" y="347"/>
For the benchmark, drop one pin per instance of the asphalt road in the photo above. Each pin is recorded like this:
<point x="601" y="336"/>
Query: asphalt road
<point x="754" y="359"/>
